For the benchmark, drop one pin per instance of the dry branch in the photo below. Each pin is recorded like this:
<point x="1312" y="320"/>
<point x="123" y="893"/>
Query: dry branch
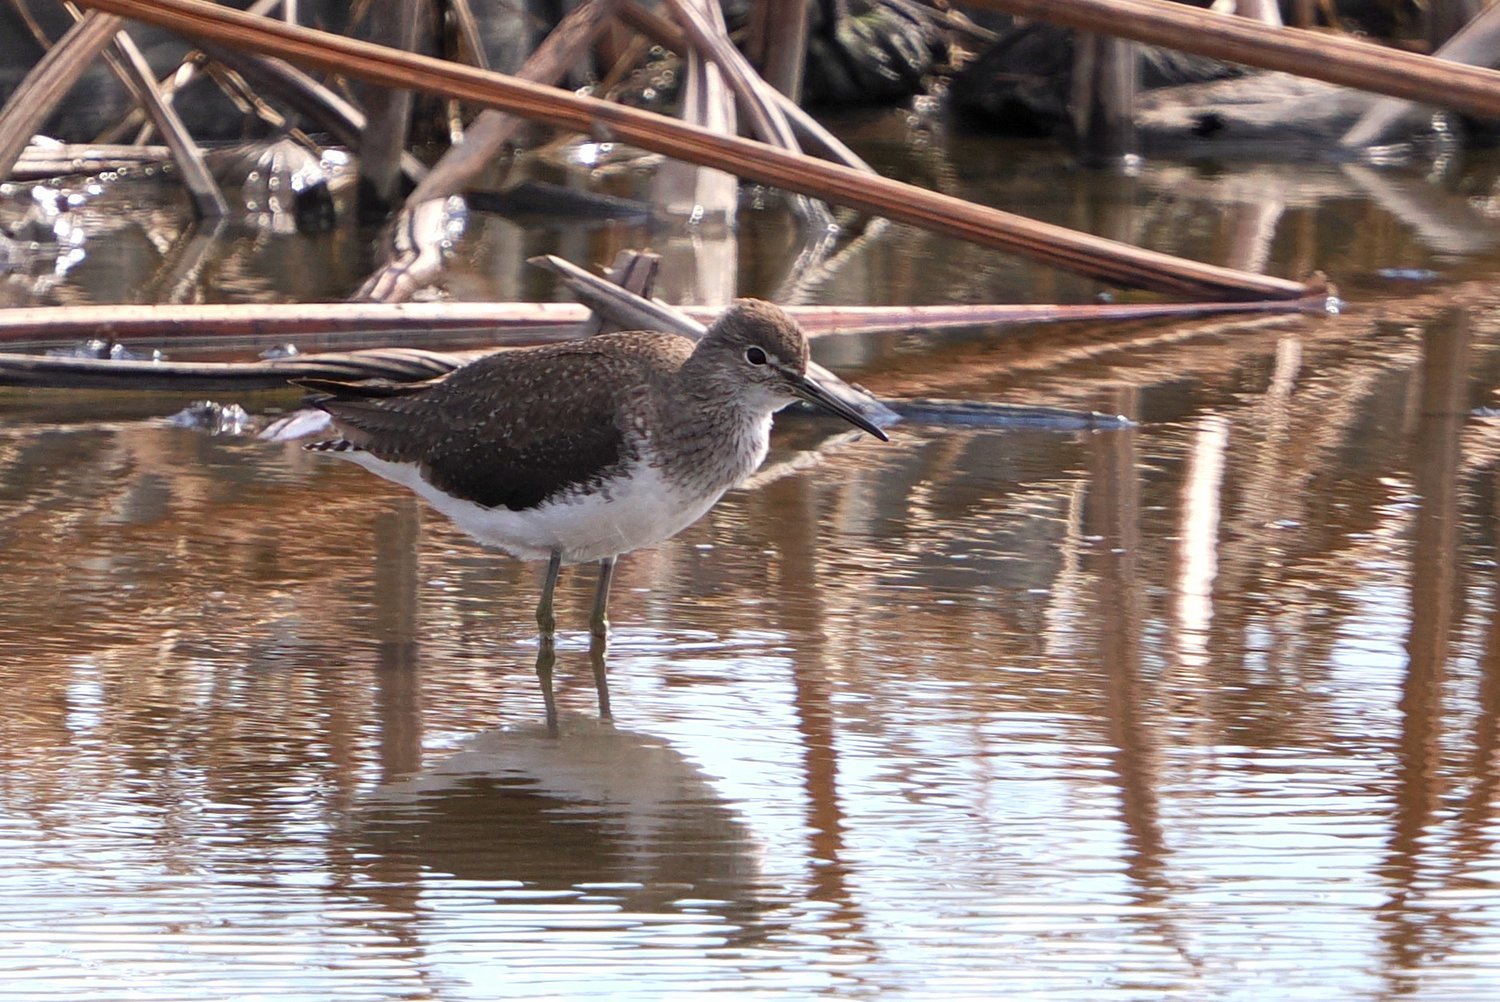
<point x="135" y="73"/>
<point x="49" y="82"/>
<point x="518" y="323"/>
<point x="1477" y="44"/>
<point x="411" y="251"/>
<point x="809" y="131"/>
<point x="1336" y="59"/>
<point x="1103" y="259"/>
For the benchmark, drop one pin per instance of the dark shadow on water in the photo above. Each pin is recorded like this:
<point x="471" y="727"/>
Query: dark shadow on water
<point x="554" y="819"/>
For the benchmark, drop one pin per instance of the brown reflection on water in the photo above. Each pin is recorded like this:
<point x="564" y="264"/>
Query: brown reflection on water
<point x="1112" y="520"/>
<point x="1194" y="707"/>
<point x="813" y="700"/>
<point x="1415" y="936"/>
<point x="397" y="534"/>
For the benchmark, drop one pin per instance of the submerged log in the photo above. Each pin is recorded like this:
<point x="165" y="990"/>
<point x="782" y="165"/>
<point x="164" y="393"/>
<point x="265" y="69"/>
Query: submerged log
<point x="1102" y="259"/>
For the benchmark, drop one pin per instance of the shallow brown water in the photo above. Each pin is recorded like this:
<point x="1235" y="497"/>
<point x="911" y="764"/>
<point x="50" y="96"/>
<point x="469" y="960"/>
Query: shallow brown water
<point x="1206" y="708"/>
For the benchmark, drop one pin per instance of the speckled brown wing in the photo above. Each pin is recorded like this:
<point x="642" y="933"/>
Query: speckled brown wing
<point x="515" y="428"/>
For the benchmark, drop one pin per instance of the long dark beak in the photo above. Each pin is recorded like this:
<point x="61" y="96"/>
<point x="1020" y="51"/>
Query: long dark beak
<point x="814" y="394"/>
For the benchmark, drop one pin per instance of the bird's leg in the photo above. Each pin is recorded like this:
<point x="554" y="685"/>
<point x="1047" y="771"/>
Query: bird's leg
<point x="599" y="621"/>
<point x="545" y="620"/>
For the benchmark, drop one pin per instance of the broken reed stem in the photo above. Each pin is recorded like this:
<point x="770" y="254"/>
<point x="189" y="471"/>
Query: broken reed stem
<point x="1336" y="59"/>
<point x="49" y="82"/>
<point x="527" y="322"/>
<point x="1106" y="260"/>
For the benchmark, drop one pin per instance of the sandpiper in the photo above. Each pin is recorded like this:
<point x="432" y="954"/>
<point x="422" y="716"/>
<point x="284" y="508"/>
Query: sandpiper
<point x="586" y="450"/>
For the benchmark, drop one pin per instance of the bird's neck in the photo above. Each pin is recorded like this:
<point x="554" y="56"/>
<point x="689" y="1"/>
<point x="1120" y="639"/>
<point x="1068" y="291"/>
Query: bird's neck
<point x="714" y="441"/>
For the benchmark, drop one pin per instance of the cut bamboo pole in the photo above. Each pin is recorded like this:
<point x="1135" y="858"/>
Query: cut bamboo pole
<point x="387" y="116"/>
<point x="1106" y="260"/>
<point x="778" y="43"/>
<point x="1336" y="59"/>
<point x="1105" y="77"/>
<point x="685" y="190"/>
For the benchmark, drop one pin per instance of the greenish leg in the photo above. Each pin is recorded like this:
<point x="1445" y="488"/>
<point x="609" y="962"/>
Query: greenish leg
<point x="545" y="620"/>
<point x="599" y="621"/>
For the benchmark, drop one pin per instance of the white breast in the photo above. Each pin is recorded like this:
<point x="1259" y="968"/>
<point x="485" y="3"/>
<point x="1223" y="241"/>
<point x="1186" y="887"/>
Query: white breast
<point x="624" y="515"/>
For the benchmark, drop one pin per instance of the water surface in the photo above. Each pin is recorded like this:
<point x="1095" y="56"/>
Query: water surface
<point x="1203" y="708"/>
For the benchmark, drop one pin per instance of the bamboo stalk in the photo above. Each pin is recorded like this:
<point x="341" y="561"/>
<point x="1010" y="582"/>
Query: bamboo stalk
<point x="1106" y="260"/>
<point x="1336" y="59"/>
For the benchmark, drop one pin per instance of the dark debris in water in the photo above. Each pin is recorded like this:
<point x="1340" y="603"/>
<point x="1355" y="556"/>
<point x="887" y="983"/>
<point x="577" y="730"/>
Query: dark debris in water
<point x="1408" y="274"/>
<point x="100" y="348"/>
<point x="975" y="414"/>
<point x="214" y="418"/>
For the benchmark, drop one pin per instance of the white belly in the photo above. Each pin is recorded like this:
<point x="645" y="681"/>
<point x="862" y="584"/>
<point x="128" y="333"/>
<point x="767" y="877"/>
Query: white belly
<point x="638" y="512"/>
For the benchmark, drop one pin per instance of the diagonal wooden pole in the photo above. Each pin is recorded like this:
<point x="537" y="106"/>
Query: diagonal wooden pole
<point x="411" y="250"/>
<point x="1336" y="59"/>
<point x="49" y="82"/>
<point x="1106" y="260"/>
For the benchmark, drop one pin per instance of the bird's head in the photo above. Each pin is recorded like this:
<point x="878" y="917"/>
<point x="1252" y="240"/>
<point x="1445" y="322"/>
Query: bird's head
<point x="767" y="353"/>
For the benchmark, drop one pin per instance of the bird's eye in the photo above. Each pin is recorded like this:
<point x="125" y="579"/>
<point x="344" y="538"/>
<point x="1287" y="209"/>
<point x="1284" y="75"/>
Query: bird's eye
<point x="755" y="356"/>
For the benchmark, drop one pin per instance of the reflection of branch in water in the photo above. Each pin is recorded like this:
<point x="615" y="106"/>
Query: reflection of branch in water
<point x="1252" y="231"/>
<point x="396" y="534"/>
<point x="1446" y="222"/>
<point x="1197" y="563"/>
<point x="1112" y="512"/>
<point x="804" y="278"/>
<point x="817" y="721"/>
<point x="1407" y="931"/>
<point x="181" y="272"/>
<point x="1292" y="440"/>
<point x="1474" y="844"/>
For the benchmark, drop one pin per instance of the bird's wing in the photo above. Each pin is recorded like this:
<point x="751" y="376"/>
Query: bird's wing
<point x="496" y="432"/>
